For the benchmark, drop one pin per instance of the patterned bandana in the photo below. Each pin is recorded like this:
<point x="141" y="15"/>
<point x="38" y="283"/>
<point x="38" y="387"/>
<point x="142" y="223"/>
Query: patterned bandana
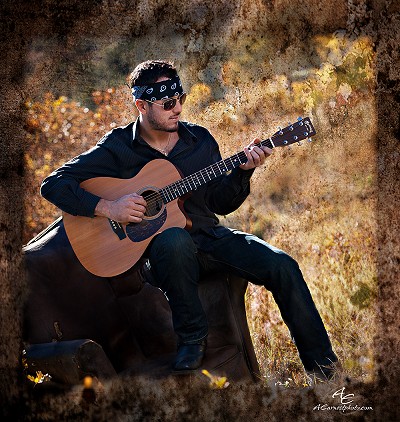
<point x="159" y="90"/>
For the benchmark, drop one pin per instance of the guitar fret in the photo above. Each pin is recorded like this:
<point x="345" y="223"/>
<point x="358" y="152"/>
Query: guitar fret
<point x="201" y="173"/>
<point x="220" y="170"/>
<point x="168" y="193"/>
<point x="177" y="191"/>
<point x="193" y="180"/>
<point x="268" y="143"/>
<point x="228" y="165"/>
<point x="165" y="197"/>
<point x="234" y="160"/>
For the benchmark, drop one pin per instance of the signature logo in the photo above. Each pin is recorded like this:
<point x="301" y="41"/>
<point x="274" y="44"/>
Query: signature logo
<point x="344" y="399"/>
<point x="346" y="403"/>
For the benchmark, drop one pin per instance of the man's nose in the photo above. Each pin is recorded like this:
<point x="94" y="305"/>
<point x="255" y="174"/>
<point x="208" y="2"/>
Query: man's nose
<point x="178" y="107"/>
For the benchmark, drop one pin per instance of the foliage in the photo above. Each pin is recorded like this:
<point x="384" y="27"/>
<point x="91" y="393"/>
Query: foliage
<point x="59" y="129"/>
<point x="316" y="202"/>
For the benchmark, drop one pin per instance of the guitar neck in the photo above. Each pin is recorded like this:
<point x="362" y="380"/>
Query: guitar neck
<point x="201" y="177"/>
<point x="293" y="133"/>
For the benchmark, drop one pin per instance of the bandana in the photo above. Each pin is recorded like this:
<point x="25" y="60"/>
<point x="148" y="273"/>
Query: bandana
<point x="158" y="90"/>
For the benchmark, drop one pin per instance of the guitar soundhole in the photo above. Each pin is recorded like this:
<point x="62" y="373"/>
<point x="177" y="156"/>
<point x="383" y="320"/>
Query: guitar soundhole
<point x="155" y="204"/>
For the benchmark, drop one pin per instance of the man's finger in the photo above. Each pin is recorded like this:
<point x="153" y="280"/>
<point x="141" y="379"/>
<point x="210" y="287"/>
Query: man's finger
<point x="138" y="208"/>
<point x="138" y="199"/>
<point x="249" y="155"/>
<point x="267" y="151"/>
<point x="256" y="156"/>
<point x="133" y="219"/>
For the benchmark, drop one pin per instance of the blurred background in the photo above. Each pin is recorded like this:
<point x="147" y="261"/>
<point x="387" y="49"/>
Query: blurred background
<point x="248" y="67"/>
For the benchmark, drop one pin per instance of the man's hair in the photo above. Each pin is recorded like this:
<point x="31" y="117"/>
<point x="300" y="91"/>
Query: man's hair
<point x="150" y="71"/>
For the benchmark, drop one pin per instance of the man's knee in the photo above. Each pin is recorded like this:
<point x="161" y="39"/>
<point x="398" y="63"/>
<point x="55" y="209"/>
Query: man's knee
<point x="287" y="265"/>
<point x="286" y="261"/>
<point x="174" y="241"/>
<point x="285" y="273"/>
<point x="173" y="260"/>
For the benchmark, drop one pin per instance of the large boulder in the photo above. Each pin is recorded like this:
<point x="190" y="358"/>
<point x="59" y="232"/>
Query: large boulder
<point x="124" y="315"/>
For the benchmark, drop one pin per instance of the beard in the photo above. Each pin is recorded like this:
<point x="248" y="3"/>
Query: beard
<point x="169" y="126"/>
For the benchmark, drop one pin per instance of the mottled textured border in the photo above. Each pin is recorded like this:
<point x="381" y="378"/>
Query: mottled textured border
<point x="61" y="23"/>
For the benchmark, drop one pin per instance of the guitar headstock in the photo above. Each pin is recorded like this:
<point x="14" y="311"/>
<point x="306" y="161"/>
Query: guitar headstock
<point x="295" y="132"/>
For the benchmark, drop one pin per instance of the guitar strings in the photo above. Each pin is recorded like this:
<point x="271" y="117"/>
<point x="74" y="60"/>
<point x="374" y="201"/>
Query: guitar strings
<point x="175" y="187"/>
<point x="173" y="190"/>
<point x="193" y="181"/>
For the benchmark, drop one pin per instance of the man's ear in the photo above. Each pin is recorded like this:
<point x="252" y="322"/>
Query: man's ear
<point x="141" y="106"/>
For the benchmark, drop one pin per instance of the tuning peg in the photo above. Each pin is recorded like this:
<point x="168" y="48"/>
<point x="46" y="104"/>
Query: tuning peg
<point x="295" y="138"/>
<point x="309" y="139"/>
<point x="280" y="130"/>
<point x="305" y="134"/>
<point x="300" y="120"/>
<point x="290" y="127"/>
<point x="299" y="143"/>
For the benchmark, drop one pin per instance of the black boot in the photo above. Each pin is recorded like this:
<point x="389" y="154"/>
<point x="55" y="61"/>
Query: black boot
<point x="324" y="373"/>
<point x="190" y="356"/>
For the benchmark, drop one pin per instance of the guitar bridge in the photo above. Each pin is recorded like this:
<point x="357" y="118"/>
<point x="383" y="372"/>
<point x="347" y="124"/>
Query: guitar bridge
<point x="117" y="229"/>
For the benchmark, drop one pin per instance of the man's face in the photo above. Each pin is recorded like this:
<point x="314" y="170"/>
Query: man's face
<point x="160" y="119"/>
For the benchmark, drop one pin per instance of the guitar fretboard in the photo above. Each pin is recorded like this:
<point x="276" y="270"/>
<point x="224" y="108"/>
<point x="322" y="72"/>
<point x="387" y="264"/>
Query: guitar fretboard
<point x="201" y="177"/>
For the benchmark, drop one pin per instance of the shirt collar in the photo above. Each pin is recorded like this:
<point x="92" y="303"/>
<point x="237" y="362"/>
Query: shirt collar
<point x="184" y="133"/>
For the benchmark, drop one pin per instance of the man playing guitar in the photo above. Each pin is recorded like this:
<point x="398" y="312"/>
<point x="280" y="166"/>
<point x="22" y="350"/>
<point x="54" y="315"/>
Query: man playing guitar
<point x="178" y="255"/>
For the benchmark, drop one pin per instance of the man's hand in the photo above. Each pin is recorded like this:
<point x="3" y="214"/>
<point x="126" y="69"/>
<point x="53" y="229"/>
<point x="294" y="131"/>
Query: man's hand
<point x="127" y="209"/>
<point x="256" y="155"/>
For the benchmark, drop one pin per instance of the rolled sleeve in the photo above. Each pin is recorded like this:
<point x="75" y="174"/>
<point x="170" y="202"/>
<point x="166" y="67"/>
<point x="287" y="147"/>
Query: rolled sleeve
<point x="69" y="197"/>
<point x="62" y="187"/>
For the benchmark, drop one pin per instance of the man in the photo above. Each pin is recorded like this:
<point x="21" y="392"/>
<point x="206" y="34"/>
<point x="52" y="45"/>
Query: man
<point x="178" y="258"/>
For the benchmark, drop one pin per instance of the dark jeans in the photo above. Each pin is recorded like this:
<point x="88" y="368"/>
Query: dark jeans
<point x="177" y="266"/>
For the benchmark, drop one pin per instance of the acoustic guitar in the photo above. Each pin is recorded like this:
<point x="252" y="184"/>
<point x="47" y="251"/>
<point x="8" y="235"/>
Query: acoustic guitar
<point x="107" y="248"/>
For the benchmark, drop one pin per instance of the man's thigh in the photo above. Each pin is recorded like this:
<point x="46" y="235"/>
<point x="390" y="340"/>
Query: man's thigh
<point x="245" y="255"/>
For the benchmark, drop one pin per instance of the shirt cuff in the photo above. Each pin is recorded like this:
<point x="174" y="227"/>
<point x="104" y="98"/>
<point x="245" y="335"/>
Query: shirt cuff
<point x="242" y="176"/>
<point x="88" y="204"/>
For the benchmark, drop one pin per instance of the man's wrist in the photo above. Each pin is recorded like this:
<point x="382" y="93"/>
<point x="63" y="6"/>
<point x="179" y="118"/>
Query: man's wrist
<point x="103" y="208"/>
<point x="245" y="174"/>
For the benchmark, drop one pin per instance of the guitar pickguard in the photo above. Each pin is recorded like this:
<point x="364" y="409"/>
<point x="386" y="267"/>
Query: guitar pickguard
<point x="137" y="232"/>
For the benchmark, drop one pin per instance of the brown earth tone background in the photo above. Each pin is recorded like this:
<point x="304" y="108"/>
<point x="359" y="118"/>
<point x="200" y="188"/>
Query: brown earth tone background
<point x="335" y="60"/>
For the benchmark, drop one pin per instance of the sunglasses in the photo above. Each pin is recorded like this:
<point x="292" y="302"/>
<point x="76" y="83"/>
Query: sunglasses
<point x="170" y="103"/>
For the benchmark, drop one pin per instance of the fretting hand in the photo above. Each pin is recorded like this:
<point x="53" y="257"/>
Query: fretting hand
<point x="256" y="155"/>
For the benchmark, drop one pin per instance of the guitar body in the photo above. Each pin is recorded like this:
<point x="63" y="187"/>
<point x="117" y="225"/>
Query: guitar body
<point x="106" y="248"/>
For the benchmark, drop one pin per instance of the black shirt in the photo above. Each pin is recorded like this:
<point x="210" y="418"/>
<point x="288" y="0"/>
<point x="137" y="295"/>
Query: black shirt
<point x="122" y="153"/>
